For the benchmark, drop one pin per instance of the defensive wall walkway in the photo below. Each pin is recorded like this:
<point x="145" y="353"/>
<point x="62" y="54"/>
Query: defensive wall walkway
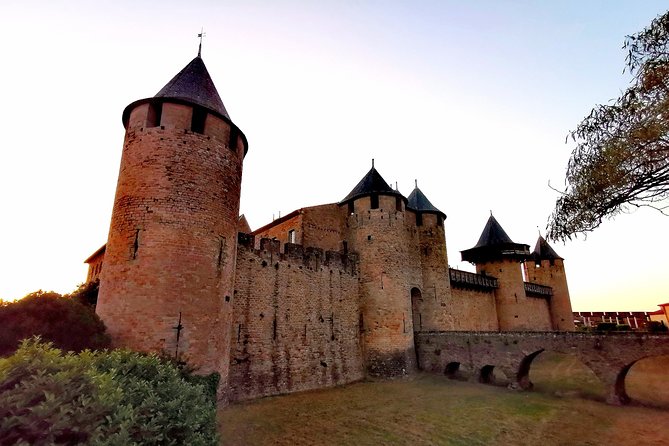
<point x="477" y="354"/>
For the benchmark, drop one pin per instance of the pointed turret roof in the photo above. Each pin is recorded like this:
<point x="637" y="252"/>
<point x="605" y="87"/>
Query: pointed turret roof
<point x="193" y="84"/>
<point x="494" y="243"/>
<point x="493" y="234"/>
<point x="371" y="183"/>
<point x="544" y="251"/>
<point x="417" y="201"/>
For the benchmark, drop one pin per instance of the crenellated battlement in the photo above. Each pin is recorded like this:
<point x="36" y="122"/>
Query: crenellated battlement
<point x="312" y="258"/>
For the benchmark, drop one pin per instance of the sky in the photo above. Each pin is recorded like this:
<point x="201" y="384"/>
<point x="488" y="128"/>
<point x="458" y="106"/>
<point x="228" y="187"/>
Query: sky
<point x="472" y="99"/>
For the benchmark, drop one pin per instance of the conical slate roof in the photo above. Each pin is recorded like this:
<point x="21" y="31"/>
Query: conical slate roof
<point x="493" y="244"/>
<point x="419" y="202"/>
<point x="193" y="84"/>
<point x="544" y="251"/>
<point x="493" y="234"/>
<point x="371" y="183"/>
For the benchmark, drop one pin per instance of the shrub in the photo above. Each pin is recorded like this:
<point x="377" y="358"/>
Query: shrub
<point x="606" y="326"/>
<point x="101" y="398"/>
<point x="86" y="293"/>
<point x="657" y="327"/>
<point x="70" y="325"/>
<point x="50" y="398"/>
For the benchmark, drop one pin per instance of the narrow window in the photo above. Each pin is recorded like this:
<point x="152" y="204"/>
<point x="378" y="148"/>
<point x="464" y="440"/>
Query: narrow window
<point x="375" y="201"/>
<point x="419" y="219"/>
<point x="154" y="114"/>
<point x="351" y="209"/>
<point x="197" y="121"/>
<point x="291" y="236"/>
<point x="440" y="221"/>
<point x="398" y="204"/>
<point x="233" y="138"/>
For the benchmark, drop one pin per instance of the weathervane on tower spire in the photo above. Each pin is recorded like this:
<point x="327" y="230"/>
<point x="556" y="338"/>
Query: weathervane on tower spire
<point x="200" y="35"/>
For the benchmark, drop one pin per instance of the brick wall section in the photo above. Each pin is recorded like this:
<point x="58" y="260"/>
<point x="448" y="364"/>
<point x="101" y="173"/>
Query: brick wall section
<point x="387" y="246"/>
<point x="172" y="239"/>
<point x="515" y="311"/>
<point x="95" y="265"/>
<point x="471" y="310"/>
<point x="279" y="231"/>
<point x="324" y="226"/>
<point x="610" y="356"/>
<point x="552" y="274"/>
<point x="295" y="324"/>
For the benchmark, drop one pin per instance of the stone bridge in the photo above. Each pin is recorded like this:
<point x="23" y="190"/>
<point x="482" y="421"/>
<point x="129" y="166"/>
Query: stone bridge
<point x="477" y="354"/>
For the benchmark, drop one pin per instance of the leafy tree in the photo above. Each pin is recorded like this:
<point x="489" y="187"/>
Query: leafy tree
<point x="621" y="158"/>
<point x="66" y="322"/>
<point x="86" y="293"/>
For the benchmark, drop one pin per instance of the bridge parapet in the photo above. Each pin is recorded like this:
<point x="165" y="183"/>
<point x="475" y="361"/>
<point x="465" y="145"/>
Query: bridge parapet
<point x="609" y="355"/>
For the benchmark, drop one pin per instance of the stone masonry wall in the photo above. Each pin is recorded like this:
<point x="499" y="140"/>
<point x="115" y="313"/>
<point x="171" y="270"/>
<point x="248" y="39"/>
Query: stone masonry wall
<point x="472" y="310"/>
<point x="296" y="322"/>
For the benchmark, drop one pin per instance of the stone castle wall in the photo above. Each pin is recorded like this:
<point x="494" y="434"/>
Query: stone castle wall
<point x="296" y="321"/>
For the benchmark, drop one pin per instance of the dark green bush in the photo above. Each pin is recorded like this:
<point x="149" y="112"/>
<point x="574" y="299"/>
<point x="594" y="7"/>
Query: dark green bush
<point x="70" y="325"/>
<point x="86" y="293"/>
<point x="100" y="398"/>
<point x="657" y="327"/>
<point x="606" y="326"/>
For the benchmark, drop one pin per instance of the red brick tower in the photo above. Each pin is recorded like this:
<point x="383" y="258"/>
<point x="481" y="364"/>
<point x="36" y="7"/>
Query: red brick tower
<point x="547" y="268"/>
<point x="498" y="256"/>
<point x="430" y="304"/>
<point x="386" y="240"/>
<point x="168" y="280"/>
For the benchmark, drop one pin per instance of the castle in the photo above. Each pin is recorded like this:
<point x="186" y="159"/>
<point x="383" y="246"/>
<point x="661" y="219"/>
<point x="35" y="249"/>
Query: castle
<point x="323" y="296"/>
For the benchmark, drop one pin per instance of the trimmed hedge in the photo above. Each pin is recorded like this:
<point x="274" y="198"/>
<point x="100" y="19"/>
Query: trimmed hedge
<point x="101" y="398"/>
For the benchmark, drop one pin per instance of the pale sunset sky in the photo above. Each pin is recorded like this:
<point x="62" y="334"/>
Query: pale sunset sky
<point x="473" y="99"/>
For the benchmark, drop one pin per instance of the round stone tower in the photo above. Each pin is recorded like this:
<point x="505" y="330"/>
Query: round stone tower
<point x="168" y="280"/>
<point x="385" y="238"/>
<point x="430" y="304"/>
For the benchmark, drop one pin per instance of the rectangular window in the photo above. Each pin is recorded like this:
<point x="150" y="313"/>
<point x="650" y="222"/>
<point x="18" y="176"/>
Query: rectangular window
<point x="291" y="236"/>
<point x="419" y="219"/>
<point x="197" y="121"/>
<point x="154" y="114"/>
<point x="375" y="201"/>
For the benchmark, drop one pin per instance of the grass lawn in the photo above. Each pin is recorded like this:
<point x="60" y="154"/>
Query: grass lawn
<point x="564" y="409"/>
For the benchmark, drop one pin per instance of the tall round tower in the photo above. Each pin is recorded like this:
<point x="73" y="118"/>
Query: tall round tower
<point x="168" y="280"/>
<point x="389" y="267"/>
<point x="431" y="304"/>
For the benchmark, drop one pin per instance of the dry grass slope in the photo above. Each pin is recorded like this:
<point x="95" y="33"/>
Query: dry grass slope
<point x="433" y="410"/>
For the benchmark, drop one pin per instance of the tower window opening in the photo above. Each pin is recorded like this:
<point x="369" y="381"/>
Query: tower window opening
<point x="398" y="204"/>
<point x="351" y="209"/>
<point x="154" y="114"/>
<point x="440" y="221"/>
<point x="198" y="119"/>
<point x="375" y="201"/>
<point x="233" y="138"/>
<point x="291" y="236"/>
<point x="419" y="219"/>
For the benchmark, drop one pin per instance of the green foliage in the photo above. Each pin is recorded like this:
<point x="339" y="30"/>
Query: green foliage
<point x="621" y="159"/>
<point x="50" y="398"/>
<point x="66" y="322"/>
<point x="86" y="293"/>
<point x="101" y="398"/>
<point x="657" y="327"/>
<point x="158" y="406"/>
<point x="606" y="326"/>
